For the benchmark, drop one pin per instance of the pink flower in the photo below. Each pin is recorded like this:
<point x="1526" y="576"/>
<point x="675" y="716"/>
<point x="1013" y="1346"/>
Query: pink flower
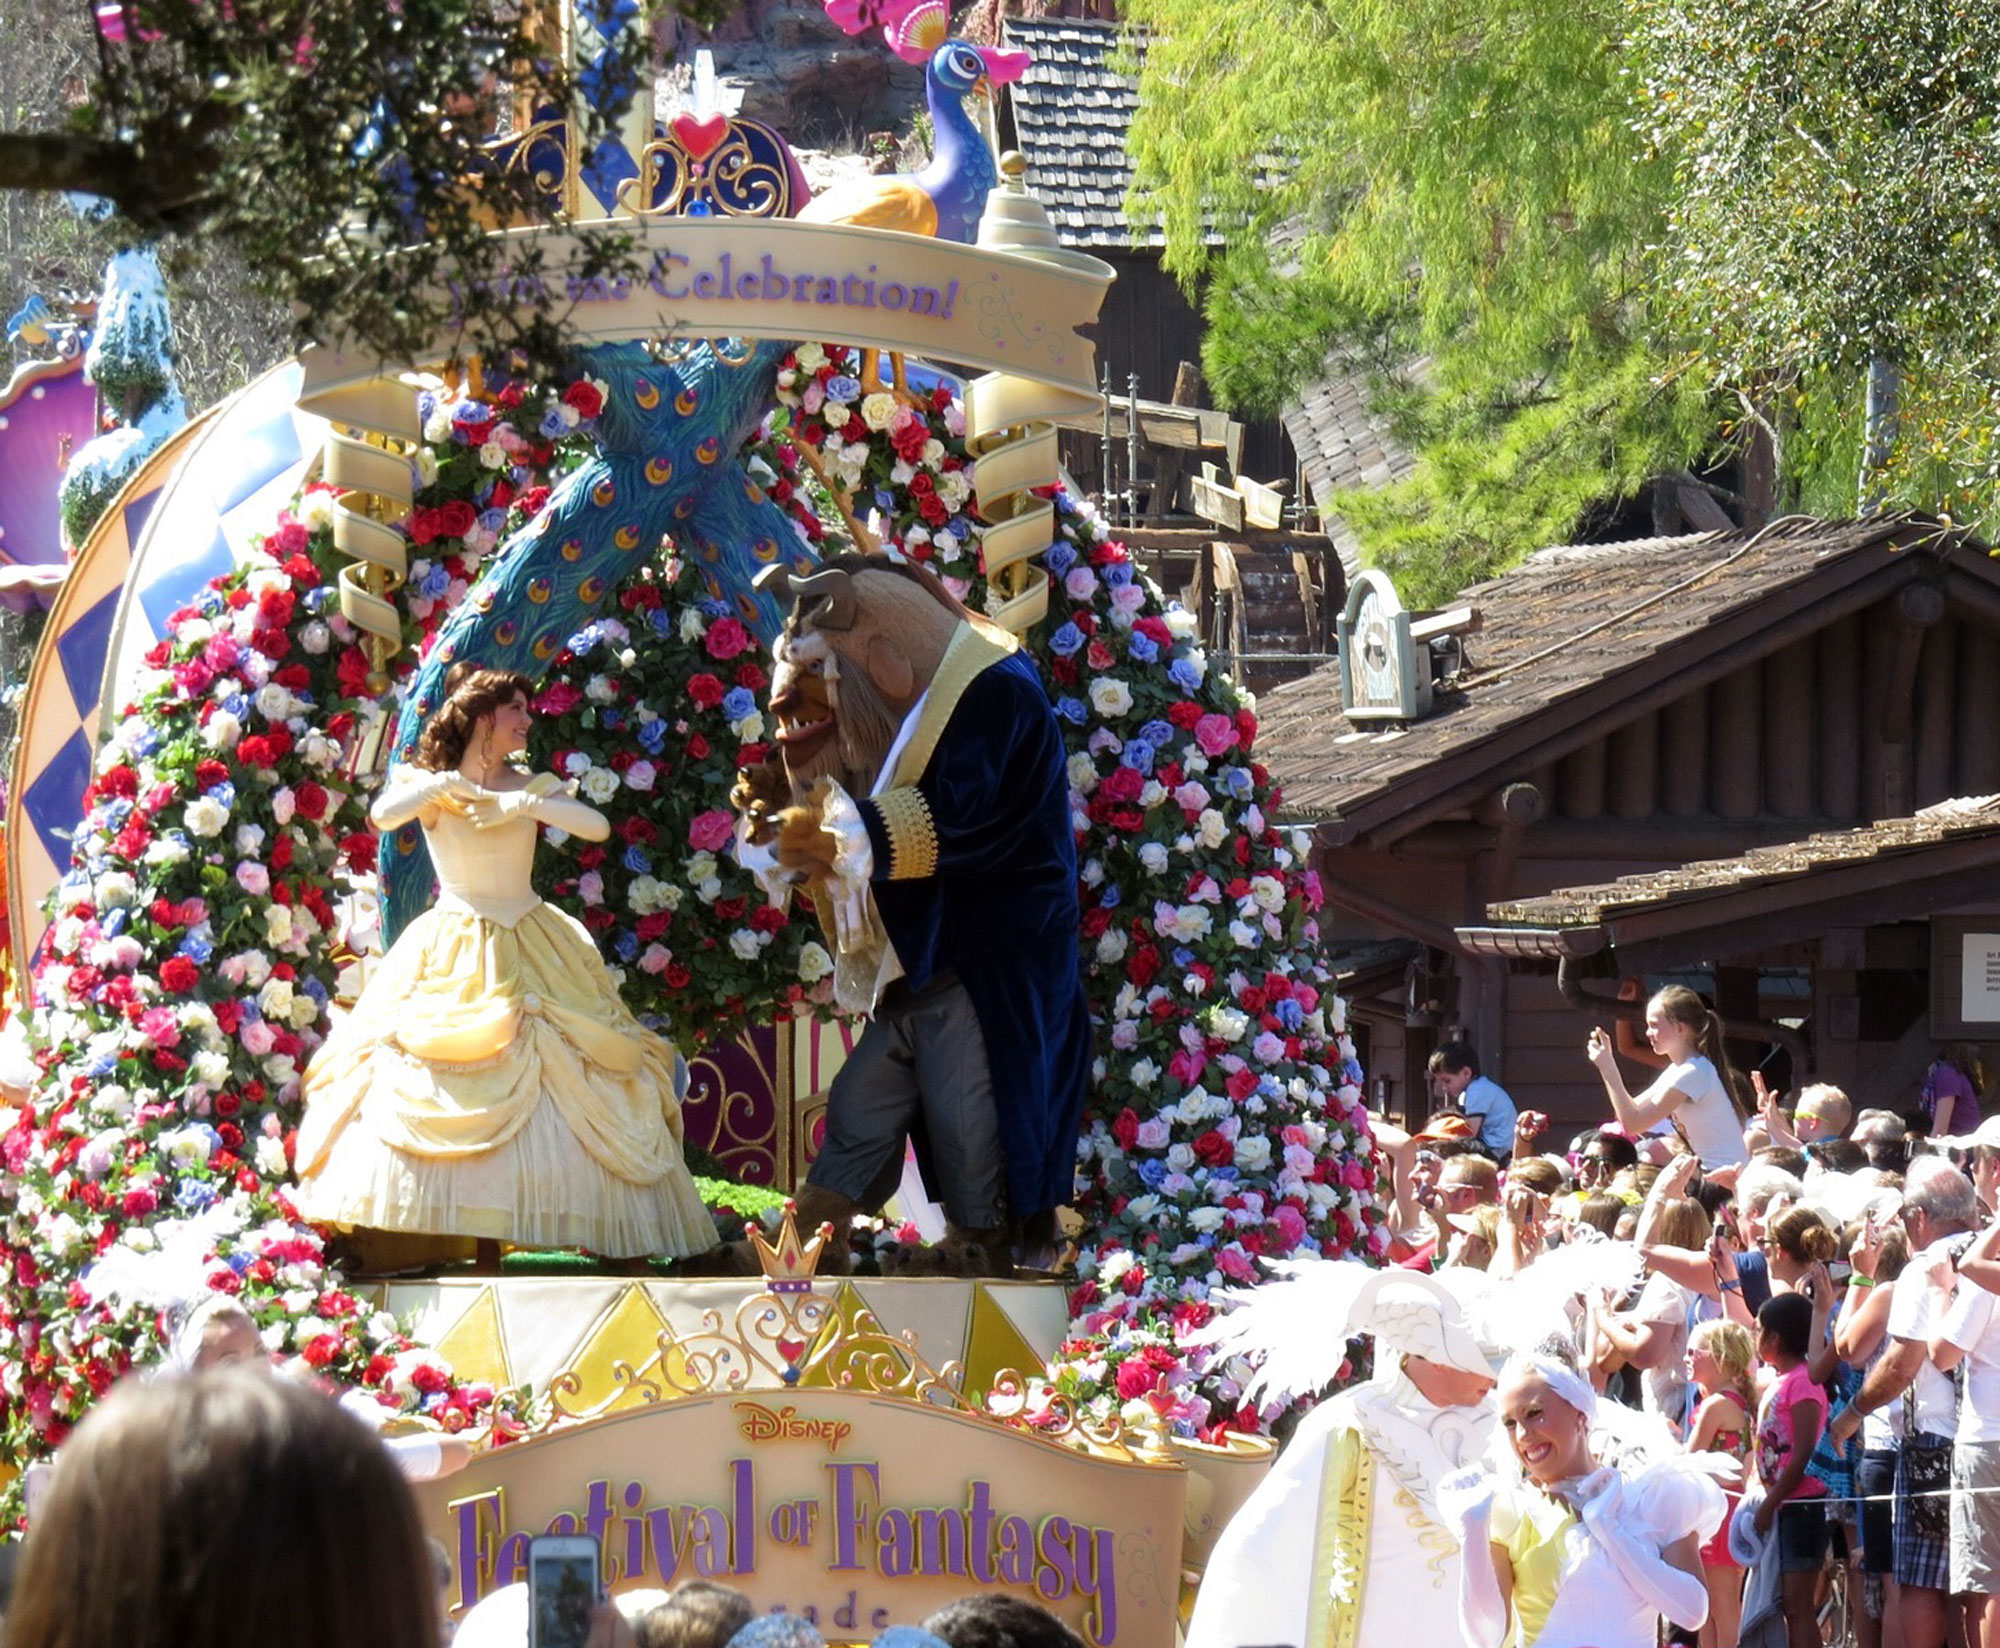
<point x="1237" y="1265"/>
<point x="1215" y="734"/>
<point x="559" y="698"/>
<point x="726" y="638"/>
<point x="160" y="1026"/>
<point x="708" y="832"/>
<point x="1290" y="1225"/>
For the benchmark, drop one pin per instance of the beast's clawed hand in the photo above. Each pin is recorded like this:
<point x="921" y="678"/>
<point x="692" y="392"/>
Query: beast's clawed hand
<point x="759" y="794"/>
<point x="805" y="850"/>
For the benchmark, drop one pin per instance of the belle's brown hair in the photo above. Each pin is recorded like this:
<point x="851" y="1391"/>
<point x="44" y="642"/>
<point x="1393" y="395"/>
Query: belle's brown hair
<point x="224" y="1510"/>
<point x="1683" y="1006"/>
<point x="470" y="692"/>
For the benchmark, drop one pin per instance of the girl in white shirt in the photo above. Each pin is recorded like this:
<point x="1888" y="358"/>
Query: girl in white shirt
<point x="1694" y="1092"/>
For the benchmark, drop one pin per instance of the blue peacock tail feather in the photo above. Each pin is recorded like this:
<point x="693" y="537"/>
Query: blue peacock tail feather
<point x="666" y="463"/>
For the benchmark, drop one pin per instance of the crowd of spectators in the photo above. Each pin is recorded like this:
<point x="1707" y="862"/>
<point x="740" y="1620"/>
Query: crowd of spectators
<point x="1819" y="1297"/>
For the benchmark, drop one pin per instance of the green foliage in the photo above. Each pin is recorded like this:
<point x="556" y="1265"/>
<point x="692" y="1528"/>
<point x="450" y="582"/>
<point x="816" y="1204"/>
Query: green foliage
<point x="311" y="139"/>
<point x="1836" y="197"/>
<point x="1461" y="188"/>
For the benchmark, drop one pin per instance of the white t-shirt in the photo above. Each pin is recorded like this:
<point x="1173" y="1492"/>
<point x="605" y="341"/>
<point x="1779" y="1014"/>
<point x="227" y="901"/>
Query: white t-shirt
<point x="1713" y="1131"/>
<point x="1973" y="1324"/>
<point x="1676" y="1309"/>
<point x="1910" y="1317"/>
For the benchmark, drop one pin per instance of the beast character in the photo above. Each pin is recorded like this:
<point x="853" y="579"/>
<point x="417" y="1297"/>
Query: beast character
<point x="920" y="795"/>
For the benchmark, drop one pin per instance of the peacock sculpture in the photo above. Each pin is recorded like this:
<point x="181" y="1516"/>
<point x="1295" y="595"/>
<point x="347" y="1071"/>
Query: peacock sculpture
<point x="945" y="199"/>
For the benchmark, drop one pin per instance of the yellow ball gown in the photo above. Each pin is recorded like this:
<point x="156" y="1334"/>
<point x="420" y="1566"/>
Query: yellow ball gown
<point x="490" y="1082"/>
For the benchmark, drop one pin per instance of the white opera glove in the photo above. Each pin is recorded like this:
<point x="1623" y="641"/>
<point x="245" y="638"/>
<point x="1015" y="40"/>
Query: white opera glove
<point x="488" y="809"/>
<point x="408" y="790"/>
<point x="1465" y="1503"/>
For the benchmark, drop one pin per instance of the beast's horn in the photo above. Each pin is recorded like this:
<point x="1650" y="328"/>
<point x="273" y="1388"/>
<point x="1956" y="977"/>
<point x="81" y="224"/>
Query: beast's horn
<point x="836" y="587"/>
<point x="776" y="578"/>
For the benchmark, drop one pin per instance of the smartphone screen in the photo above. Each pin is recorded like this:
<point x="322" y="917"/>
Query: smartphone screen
<point x="563" y="1584"/>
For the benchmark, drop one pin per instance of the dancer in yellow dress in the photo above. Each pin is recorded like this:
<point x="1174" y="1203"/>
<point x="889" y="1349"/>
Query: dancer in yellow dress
<point x="490" y="1082"/>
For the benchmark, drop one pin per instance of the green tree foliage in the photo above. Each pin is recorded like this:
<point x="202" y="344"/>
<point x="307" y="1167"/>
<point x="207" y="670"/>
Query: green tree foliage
<point x="1457" y="186"/>
<point x="1836" y="198"/>
<point x="310" y="138"/>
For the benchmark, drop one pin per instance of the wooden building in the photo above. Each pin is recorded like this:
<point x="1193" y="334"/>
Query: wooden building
<point x="1068" y="114"/>
<point x="1624" y="711"/>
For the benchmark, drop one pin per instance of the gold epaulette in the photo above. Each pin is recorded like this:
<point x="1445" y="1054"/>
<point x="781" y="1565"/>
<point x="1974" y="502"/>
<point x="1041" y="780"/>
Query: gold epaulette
<point x="913" y="842"/>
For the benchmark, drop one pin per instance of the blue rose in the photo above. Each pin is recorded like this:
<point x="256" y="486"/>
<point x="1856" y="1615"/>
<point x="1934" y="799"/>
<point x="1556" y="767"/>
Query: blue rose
<point x="1184" y="674"/>
<point x="885" y="500"/>
<point x="842" y="389"/>
<point x="1118" y="574"/>
<point x="1182" y="955"/>
<point x="209" y="602"/>
<point x="1059" y="558"/>
<point x="1290" y="1014"/>
<point x="1139" y="756"/>
<point x="713" y="607"/>
<point x="738" y="702"/>
<point x="1152" y="1170"/>
<point x="1067" y="641"/>
<point x="115" y="922"/>
<point x="1109" y="897"/>
<point x="316" y="990"/>
<point x="637" y="861"/>
<point x="493" y="519"/>
<point x="192" y="1195"/>
<point x="660" y="621"/>
<point x="552" y="426"/>
<point x="653" y="736"/>
<point x="1143" y="648"/>
<point x="1158" y="733"/>
<point x="626" y="944"/>
<point x="1238" y="782"/>
<point x="224" y="792"/>
<point x="196" y="948"/>
<point x="434" y="583"/>
<point x="1072" y="710"/>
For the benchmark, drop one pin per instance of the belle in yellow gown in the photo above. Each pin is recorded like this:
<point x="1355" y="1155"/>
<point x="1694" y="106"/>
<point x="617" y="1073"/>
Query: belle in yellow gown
<point x="490" y="1082"/>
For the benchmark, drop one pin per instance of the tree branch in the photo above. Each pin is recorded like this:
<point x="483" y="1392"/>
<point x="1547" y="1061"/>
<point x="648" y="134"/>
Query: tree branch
<point x="60" y="161"/>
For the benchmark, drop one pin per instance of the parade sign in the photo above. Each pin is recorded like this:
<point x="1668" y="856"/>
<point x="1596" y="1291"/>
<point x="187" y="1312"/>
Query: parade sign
<point x="1015" y="312"/>
<point x="854" y="1511"/>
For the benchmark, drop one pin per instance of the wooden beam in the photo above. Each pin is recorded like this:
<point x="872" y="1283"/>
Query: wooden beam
<point x="1735" y="760"/>
<point x="1788" y="731"/>
<point x="1938" y="688"/>
<point x="1838" y="649"/>
<point x="1684" y="755"/>
<point x="1215" y="502"/>
<point x="1978" y="763"/>
<point x="1192" y="540"/>
<point x="1635" y="767"/>
<point x="1580" y="782"/>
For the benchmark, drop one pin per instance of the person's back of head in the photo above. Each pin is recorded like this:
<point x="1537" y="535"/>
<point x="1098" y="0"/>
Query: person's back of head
<point x="1782" y="1157"/>
<point x="700" y="1614"/>
<point x="1836" y="1156"/>
<point x="1600" y="1213"/>
<point x="994" y="1619"/>
<point x="1760" y="1184"/>
<point x="1784" y="1324"/>
<point x="222" y="1509"/>
<point x="1832" y="1108"/>
<point x="1541" y="1174"/>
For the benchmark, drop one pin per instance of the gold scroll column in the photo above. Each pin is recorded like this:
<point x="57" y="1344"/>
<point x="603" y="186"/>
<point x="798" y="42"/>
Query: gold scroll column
<point x="375" y="429"/>
<point x="1010" y="423"/>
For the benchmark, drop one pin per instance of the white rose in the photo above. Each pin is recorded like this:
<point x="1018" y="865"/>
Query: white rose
<point x="167" y="850"/>
<point x="743" y="944"/>
<point x="1144" y="1073"/>
<point x="641" y="775"/>
<point x="493" y="455"/>
<point x="222" y="731"/>
<point x="878" y="410"/>
<point x="811" y="357"/>
<point x="814" y="962"/>
<point x="835" y="415"/>
<point x="116" y="891"/>
<point x="1180" y="622"/>
<point x="600" y="784"/>
<point x="275" y="703"/>
<point x="1211" y="829"/>
<point x="1111" y="946"/>
<point x="270" y="1158"/>
<point x="693" y="625"/>
<point x="427" y="464"/>
<point x="1082" y="773"/>
<point x="599" y="690"/>
<point x="1153" y="858"/>
<point x="314" y="510"/>
<point x="205" y="817"/>
<point x="701" y="867"/>
<point x="1268" y="891"/>
<point x="1110" y="698"/>
<point x="277" y="924"/>
<point x="316" y="637"/>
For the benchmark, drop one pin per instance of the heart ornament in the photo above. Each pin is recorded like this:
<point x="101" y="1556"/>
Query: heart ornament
<point x="701" y="135"/>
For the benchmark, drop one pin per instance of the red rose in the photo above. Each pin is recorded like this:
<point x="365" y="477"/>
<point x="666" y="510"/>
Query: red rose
<point x="726" y="638"/>
<point x="1185" y="714"/>
<point x="178" y="975"/>
<point x="1214" y="1150"/>
<point x="585" y="397"/>
<point x="422" y="526"/>
<point x="1125" y="1128"/>
<point x="456" y="519"/>
<point x="698" y="747"/>
<point x="766" y="918"/>
<point x="1135" y="1378"/>
<point x="677" y="976"/>
<point x="357" y="851"/>
<point x="1124" y="784"/>
<point x="533" y="499"/>
<point x="311" y="799"/>
<point x="705" y="689"/>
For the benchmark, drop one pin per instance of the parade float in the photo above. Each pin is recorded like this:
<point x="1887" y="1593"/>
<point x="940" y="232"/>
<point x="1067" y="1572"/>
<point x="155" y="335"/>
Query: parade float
<point x="262" y="616"/>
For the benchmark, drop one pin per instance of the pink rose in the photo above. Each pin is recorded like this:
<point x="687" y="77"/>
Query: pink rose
<point x="1237" y="1265"/>
<point x="1215" y="734"/>
<point x="1291" y="1226"/>
<point x="726" y="638"/>
<point x="160" y="1026"/>
<point x="708" y="832"/>
<point x="559" y="698"/>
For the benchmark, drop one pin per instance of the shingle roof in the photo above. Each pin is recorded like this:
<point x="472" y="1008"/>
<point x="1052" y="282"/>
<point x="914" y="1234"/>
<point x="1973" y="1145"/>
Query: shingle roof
<point x="1071" y="114"/>
<point x="1963" y="817"/>
<point x="1341" y="444"/>
<point x="1571" y="632"/>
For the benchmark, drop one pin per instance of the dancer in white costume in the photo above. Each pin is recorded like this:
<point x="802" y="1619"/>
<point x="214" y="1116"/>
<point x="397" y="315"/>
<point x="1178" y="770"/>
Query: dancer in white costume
<point x="490" y="1082"/>
<point x="1562" y="1551"/>
<point x="1343" y="1544"/>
